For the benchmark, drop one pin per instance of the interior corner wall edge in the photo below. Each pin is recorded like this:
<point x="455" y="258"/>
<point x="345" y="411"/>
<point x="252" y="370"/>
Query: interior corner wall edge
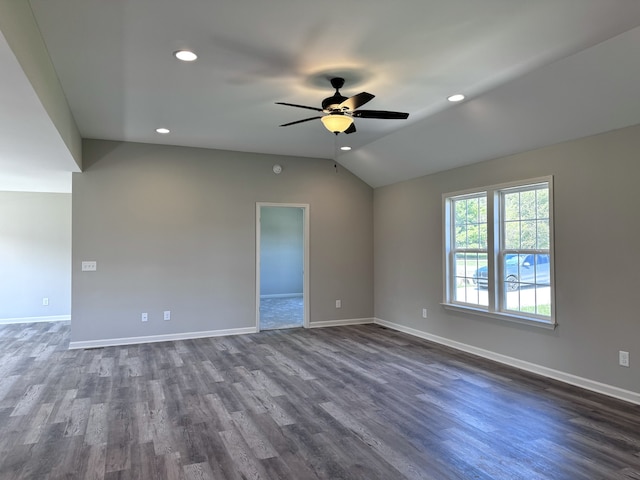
<point x="596" y="257"/>
<point x="173" y="228"/>
<point x="19" y="28"/>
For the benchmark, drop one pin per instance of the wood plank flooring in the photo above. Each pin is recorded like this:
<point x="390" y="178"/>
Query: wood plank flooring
<point x="360" y="402"/>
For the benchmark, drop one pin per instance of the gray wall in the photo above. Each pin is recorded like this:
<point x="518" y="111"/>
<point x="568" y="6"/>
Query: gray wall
<point x="19" y="28"/>
<point x="173" y="228"/>
<point x="281" y="250"/>
<point x="597" y="227"/>
<point x="35" y="254"/>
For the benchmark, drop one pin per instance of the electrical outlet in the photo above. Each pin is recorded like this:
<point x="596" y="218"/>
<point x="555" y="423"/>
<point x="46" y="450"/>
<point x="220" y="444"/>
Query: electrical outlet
<point x="45" y="301"/>
<point x="144" y="317"/>
<point x="623" y="358"/>
<point x="338" y="303"/>
<point x="424" y="313"/>
<point x="167" y="314"/>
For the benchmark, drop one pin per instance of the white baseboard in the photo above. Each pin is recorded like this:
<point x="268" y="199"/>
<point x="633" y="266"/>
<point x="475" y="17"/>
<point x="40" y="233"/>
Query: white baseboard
<point x="54" y="318"/>
<point x="282" y="295"/>
<point x="341" y="323"/>
<point x="112" y="342"/>
<point x="610" y="390"/>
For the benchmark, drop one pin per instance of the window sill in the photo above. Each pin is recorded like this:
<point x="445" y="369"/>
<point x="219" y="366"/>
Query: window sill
<point x="534" y="322"/>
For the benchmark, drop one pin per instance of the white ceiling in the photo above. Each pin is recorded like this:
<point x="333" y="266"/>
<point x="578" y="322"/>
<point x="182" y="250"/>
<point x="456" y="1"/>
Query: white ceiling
<point x="534" y="71"/>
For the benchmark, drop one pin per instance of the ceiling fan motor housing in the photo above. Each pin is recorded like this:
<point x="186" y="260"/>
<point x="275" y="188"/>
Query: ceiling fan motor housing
<point x="331" y="103"/>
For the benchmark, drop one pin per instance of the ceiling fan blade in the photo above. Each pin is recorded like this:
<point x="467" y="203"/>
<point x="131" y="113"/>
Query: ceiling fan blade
<point x="380" y="114"/>
<point x="351" y="129"/>
<point x="299" y="106"/>
<point x="300" y="121"/>
<point x="356" y="101"/>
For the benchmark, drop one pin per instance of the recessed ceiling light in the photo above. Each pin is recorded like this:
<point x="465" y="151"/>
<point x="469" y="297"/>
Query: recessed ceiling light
<point x="162" y="131"/>
<point x="458" y="97"/>
<point x="185" y="55"/>
<point x="345" y="148"/>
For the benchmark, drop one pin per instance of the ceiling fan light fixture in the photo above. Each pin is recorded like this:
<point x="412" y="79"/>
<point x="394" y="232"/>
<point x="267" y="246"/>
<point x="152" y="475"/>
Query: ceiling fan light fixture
<point x="336" y="123"/>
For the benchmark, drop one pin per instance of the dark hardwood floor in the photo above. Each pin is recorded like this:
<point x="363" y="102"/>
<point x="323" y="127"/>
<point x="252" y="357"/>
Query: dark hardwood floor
<point x="359" y="402"/>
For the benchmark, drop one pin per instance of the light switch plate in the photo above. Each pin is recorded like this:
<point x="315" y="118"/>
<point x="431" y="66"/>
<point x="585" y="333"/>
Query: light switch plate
<point x="89" y="266"/>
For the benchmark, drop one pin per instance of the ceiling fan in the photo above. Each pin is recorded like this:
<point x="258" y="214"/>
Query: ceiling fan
<point x="340" y="110"/>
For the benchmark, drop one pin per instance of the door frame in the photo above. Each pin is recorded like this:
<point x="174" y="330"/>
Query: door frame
<point x="305" y="261"/>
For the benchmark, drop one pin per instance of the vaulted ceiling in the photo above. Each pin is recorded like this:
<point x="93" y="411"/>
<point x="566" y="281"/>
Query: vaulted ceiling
<point x="533" y="73"/>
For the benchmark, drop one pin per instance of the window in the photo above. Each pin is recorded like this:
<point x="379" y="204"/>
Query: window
<point x="498" y="250"/>
<point x="469" y="246"/>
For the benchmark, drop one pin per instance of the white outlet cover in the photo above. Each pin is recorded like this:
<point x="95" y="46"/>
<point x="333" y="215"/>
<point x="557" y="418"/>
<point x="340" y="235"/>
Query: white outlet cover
<point x="167" y="315"/>
<point x="623" y="358"/>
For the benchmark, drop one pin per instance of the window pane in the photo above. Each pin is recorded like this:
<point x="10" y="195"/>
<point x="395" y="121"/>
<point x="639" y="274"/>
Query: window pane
<point x="512" y="234"/>
<point x="543" y="234"/>
<point x="528" y="205"/>
<point x="470" y="264"/>
<point x="461" y="236"/>
<point x="472" y="210"/>
<point x="543" y="301"/>
<point x="526" y="276"/>
<point x="468" y="267"/>
<point x="528" y="234"/>
<point x="527" y="279"/>
<point x="543" y="271"/>
<point x="460" y="277"/>
<point x="460" y="208"/>
<point x="512" y="297"/>
<point x="482" y="236"/>
<point x="543" y="203"/>
<point x="474" y="295"/>
<point x="459" y="264"/>
<point x="535" y="300"/>
<point x="472" y="236"/>
<point x="482" y="210"/>
<point x="511" y="206"/>
<point x="470" y="223"/>
<point x="511" y="273"/>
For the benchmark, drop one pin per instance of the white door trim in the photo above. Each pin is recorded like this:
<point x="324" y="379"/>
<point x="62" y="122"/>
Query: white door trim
<point x="305" y="276"/>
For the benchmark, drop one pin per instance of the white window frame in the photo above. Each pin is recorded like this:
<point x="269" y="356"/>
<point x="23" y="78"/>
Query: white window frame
<point x="452" y="278"/>
<point x="495" y="246"/>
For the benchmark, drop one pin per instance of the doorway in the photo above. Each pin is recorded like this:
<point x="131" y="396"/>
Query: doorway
<point x="282" y="259"/>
